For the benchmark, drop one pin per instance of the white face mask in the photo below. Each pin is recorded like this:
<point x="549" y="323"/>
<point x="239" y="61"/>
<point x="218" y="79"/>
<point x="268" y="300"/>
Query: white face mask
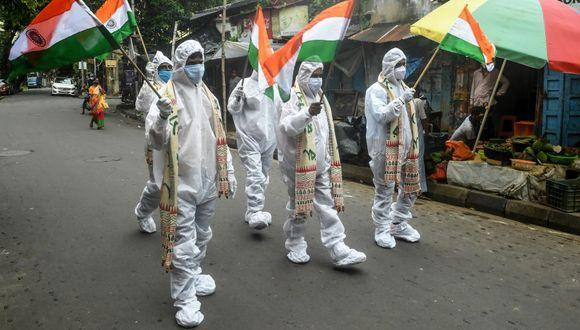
<point x="315" y="84"/>
<point x="400" y="73"/>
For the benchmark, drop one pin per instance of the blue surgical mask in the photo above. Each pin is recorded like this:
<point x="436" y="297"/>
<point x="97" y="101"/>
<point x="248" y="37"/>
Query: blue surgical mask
<point x="194" y="72"/>
<point x="315" y="84"/>
<point x="165" y="75"/>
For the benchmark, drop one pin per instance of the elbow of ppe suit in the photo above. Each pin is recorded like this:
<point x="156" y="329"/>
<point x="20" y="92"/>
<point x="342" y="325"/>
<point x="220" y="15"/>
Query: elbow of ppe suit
<point x="293" y="124"/>
<point x="144" y="100"/>
<point x="235" y="104"/>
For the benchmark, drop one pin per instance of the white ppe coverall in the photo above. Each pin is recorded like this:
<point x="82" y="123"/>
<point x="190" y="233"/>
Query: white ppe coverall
<point x="380" y="112"/>
<point x="293" y="119"/>
<point x="255" y="116"/>
<point x="197" y="184"/>
<point x="151" y="194"/>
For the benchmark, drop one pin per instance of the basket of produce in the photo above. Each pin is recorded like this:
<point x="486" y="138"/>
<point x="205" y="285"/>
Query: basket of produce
<point x="562" y="159"/>
<point x="523" y="165"/>
<point x="519" y="144"/>
<point x="564" y="194"/>
<point x="499" y="152"/>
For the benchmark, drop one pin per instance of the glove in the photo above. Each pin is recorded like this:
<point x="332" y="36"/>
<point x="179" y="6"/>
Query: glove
<point x="398" y="106"/>
<point x="239" y="95"/>
<point x="408" y="95"/>
<point x="233" y="185"/>
<point x="164" y="105"/>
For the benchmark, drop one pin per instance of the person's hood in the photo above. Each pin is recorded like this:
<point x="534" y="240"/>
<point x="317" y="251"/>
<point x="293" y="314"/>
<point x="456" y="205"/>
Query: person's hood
<point x="182" y="53"/>
<point x="390" y="60"/>
<point x="305" y="71"/>
<point x="153" y="66"/>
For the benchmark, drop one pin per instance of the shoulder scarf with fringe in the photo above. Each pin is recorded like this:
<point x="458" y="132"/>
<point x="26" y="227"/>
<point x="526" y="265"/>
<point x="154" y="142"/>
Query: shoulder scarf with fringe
<point x="306" y="164"/>
<point x="407" y="174"/>
<point x="168" y="204"/>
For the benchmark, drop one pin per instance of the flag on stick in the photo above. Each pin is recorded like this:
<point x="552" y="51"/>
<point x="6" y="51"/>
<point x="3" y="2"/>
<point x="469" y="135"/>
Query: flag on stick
<point x="259" y="49"/>
<point x="320" y="37"/>
<point x="118" y="18"/>
<point x="63" y="33"/>
<point x="467" y="38"/>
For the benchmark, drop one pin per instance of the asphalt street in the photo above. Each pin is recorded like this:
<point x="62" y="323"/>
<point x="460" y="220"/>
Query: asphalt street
<point x="71" y="255"/>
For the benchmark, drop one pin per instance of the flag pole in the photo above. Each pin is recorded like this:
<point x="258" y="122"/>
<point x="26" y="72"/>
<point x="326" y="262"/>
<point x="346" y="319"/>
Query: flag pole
<point x="139" y="33"/>
<point x="491" y="99"/>
<point x="331" y="67"/>
<point x="426" y="68"/>
<point x="116" y="45"/>
<point x="225" y="116"/>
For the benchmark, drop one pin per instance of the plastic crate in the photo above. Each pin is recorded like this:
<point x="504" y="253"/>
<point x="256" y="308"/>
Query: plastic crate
<point x="564" y="194"/>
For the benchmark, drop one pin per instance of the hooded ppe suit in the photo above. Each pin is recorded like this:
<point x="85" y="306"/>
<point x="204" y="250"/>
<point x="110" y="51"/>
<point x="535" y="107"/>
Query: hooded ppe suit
<point x="293" y="120"/>
<point x="151" y="194"/>
<point x="390" y="218"/>
<point x="197" y="186"/>
<point x="255" y="116"/>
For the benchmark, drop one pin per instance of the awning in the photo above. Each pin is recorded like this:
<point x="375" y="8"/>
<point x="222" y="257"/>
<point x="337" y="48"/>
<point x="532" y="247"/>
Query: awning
<point x="235" y="49"/>
<point x="382" y="33"/>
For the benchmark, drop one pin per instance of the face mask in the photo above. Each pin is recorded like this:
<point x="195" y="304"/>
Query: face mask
<point x="165" y="75"/>
<point x="400" y="73"/>
<point x="314" y="84"/>
<point x="194" y="72"/>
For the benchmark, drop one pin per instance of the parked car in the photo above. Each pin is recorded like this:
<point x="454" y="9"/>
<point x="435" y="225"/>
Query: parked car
<point x="34" y="80"/>
<point x="63" y="86"/>
<point x="7" y="88"/>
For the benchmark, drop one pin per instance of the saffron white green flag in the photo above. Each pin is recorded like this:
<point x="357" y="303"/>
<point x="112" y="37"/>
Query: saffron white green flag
<point x="118" y="18"/>
<point x="64" y="32"/>
<point x="260" y="49"/>
<point x="320" y="37"/>
<point x="466" y="38"/>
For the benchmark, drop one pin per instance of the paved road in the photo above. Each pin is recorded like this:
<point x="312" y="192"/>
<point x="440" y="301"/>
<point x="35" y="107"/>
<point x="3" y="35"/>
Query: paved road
<point x="71" y="256"/>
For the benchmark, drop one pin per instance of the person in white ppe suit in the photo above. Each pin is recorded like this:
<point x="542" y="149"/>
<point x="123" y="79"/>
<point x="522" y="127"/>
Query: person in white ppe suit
<point x="159" y="71"/>
<point x="301" y="116"/>
<point x="393" y="145"/>
<point x="255" y="117"/>
<point x="190" y="114"/>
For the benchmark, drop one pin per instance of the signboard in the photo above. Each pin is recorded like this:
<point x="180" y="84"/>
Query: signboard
<point x="82" y="65"/>
<point x="111" y="63"/>
<point x="247" y="22"/>
<point x="292" y="19"/>
<point x="572" y="3"/>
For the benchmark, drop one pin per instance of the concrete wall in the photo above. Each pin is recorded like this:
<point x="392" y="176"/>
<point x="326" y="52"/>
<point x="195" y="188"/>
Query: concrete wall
<point x="393" y="11"/>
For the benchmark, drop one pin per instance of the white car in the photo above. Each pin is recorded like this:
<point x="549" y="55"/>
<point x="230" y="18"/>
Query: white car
<point x="63" y="86"/>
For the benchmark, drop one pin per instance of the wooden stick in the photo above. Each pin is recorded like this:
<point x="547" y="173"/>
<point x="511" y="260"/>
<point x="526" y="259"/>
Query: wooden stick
<point x="426" y="68"/>
<point x="225" y="116"/>
<point x="491" y="99"/>
<point x="139" y="33"/>
<point x="173" y="40"/>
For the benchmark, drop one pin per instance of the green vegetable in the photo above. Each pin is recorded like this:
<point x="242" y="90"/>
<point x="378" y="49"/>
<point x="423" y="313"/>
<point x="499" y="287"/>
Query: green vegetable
<point x="542" y="157"/>
<point x="548" y="147"/>
<point x="530" y="151"/>
<point x="538" y="145"/>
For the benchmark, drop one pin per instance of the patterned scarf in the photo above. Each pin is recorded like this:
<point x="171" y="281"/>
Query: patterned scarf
<point x="168" y="205"/>
<point x="306" y="163"/>
<point x="408" y="173"/>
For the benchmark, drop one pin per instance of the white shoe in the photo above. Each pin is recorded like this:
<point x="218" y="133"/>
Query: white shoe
<point x="189" y="316"/>
<point x="298" y="257"/>
<point x="405" y="232"/>
<point x="147" y="225"/>
<point x="260" y="220"/>
<point x="204" y="285"/>
<point x="343" y="256"/>
<point x="384" y="239"/>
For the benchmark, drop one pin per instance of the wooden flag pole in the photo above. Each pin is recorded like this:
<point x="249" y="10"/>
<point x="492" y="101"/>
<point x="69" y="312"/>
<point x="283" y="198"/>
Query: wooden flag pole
<point x="139" y="33"/>
<point x="491" y="99"/>
<point x="426" y="68"/>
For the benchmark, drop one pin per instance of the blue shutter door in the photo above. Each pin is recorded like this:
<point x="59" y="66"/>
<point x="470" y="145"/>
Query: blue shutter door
<point x="553" y="103"/>
<point x="571" y="113"/>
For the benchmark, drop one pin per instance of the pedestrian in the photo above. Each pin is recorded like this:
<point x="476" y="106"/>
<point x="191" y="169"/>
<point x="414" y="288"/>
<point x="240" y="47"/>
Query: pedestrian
<point x="234" y="80"/>
<point x="160" y="71"/>
<point x="469" y="129"/>
<point x="311" y="169"/>
<point x="482" y="86"/>
<point x="97" y="104"/>
<point x="255" y="116"/>
<point x="393" y="145"/>
<point x="197" y="168"/>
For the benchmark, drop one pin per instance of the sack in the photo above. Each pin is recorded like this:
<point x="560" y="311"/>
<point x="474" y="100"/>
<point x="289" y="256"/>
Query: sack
<point x="440" y="174"/>
<point x="460" y="150"/>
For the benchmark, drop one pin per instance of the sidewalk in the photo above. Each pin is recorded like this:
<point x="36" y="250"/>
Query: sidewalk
<point x="522" y="211"/>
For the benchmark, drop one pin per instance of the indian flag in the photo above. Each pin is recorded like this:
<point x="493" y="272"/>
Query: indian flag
<point x="319" y="38"/>
<point x="466" y="38"/>
<point x="118" y="18"/>
<point x="64" y="32"/>
<point x="259" y="49"/>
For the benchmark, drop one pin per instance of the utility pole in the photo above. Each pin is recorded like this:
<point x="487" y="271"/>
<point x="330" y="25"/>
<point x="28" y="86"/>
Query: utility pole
<point x="225" y="112"/>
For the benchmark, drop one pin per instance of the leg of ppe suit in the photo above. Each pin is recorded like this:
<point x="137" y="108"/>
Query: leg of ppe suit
<point x="192" y="236"/>
<point x="255" y="182"/>
<point x="382" y="204"/>
<point x="401" y="212"/>
<point x="331" y="228"/>
<point x="295" y="230"/>
<point x="149" y="201"/>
